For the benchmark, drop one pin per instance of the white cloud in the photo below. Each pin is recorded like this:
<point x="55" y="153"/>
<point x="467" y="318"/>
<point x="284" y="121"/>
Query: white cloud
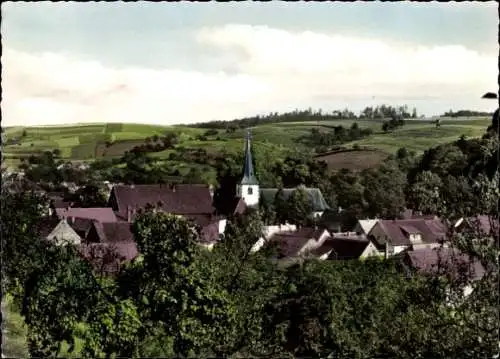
<point x="279" y="70"/>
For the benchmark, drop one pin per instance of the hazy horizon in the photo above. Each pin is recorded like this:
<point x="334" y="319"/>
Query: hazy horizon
<point x="172" y="63"/>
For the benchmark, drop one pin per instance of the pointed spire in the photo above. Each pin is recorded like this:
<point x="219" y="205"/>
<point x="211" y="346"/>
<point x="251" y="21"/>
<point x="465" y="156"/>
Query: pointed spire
<point x="248" y="172"/>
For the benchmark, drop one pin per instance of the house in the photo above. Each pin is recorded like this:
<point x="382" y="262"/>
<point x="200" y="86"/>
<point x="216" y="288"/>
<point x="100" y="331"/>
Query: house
<point x="63" y="234"/>
<point x="191" y="201"/>
<point x="187" y="200"/>
<point x="443" y="261"/>
<point x="395" y="236"/>
<point x="269" y="231"/>
<point x="249" y="188"/>
<point x="108" y="245"/>
<point x="364" y="226"/>
<point x="341" y="248"/>
<point x="298" y="243"/>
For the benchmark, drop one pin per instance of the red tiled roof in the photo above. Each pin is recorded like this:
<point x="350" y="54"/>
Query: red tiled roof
<point x="113" y="244"/>
<point x="180" y="199"/>
<point x="210" y="233"/>
<point x="325" y="248"/>
<point x="452" y="261"/>
<point x="107" y="257"/>
<point x="432" y="231"/>
<point x="209" y="225"/>
<point x="46" y="225"/>
<point x="104" y="214"/>
<point x="409" y="229"/>
<point x="486" y="224"/>
<point x="57" y="200"/>
<point x="290" y="243"/>
<point x="239" y="206"/>
<point x="81" y="226"/>
<point x="113" y="232"/>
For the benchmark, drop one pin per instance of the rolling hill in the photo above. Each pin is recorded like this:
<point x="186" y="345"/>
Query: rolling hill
<point x="95" y="141"/>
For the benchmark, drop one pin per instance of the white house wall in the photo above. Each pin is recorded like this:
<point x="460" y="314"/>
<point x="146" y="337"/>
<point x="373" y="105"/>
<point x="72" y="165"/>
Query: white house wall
<point x="370" y="251"/>
<point x="64" y="234"/>
<point x="323" y="238"/>
<point x="258" y="245"/>
<point x="399" y="249"/>
<point x="270" y="231"/>
<point x="222" y="226"/>
<point x="309" y="246"/>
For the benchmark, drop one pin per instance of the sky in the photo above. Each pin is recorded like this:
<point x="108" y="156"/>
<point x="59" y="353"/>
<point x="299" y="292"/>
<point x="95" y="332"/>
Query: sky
<point x="173" y="63"/>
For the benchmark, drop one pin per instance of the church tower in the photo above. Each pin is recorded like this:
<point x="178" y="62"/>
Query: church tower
<point x="248" y="189"/>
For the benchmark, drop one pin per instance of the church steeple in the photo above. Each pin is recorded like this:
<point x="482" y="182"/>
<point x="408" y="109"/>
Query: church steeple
<point x="248" y="172"/>
<point x="248" y="188"/>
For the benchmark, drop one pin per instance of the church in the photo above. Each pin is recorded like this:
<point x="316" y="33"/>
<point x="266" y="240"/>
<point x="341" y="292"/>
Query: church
<point x="250" y="192"/>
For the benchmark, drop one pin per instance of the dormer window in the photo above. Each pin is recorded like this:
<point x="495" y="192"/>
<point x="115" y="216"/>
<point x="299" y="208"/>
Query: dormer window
<point x="250" y="191"/>
<point x="413" y="234"/>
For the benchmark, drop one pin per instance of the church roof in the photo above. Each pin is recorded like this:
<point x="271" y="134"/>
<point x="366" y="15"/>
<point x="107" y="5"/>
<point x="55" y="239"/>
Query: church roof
<point x="248" y="171"/>
<point x="318" y="201"/>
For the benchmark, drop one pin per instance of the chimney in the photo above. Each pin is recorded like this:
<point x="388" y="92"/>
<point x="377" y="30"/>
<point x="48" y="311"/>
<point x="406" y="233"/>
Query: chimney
<point x="211" y="189"/>
<point x="129" y="213"/>
<point x="386" y="254"/>
<point x="72" y="219"/>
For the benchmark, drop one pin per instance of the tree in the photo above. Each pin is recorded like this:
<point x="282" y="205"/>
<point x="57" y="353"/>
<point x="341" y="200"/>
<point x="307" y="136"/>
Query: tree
<point x="267" y="211"/>
<point x="179" y="295"/>
<point x="425" y="193"/>
<point x="386" y="127"/>
<point x="20" y="228"/>
<point x="384" y="191"/>
<point x="281" y="206"/>
<point x="90" y="195"/>
<point x="299" y="207"/>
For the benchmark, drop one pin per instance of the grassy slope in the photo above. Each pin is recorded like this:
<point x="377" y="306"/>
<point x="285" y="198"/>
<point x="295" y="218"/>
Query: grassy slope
<point x="14" y="334"/>
<point x="13" y="331"/>
<point x="84" y="142"/>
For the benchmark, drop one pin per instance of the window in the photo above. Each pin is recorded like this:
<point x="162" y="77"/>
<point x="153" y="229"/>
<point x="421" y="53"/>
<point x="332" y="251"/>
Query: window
<point x="250" y="190"/>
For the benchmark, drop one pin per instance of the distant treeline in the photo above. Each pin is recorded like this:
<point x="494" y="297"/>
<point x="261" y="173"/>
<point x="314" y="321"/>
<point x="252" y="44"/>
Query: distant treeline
<point x="378" y="112"/>
<point x="466" y="113"/>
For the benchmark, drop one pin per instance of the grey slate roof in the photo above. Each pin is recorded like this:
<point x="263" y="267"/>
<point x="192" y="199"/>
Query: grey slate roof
<point x="317" y="200"/>
<point x="248" y="171"/>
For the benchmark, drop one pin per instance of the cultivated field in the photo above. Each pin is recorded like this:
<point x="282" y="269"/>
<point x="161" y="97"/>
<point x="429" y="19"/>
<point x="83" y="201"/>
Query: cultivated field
<point x="354" y="159"/>
<point x="88" y="142"/>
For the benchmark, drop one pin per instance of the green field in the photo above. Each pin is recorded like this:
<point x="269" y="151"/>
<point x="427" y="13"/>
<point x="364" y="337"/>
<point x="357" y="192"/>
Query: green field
<point x="88" y="142"/>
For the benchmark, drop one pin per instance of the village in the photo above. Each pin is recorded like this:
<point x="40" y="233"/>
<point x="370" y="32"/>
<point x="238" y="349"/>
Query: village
<point x="250" y="180"/>
<point x="419" y="241"/>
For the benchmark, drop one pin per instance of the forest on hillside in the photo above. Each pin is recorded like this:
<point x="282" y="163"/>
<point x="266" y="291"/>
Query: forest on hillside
<point x="376" y="112"/>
